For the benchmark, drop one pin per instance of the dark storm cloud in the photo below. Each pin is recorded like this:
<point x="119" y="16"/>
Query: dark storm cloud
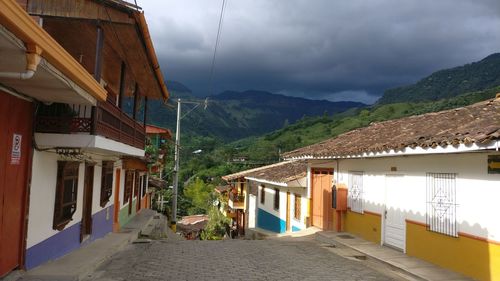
<point x="320" y="49"/>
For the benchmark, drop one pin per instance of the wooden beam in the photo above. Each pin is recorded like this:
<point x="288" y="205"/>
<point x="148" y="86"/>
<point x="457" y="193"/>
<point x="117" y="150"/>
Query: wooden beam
<point x="136" y="99"/>
<point x="145" y="111"/>
<point x="98" y="54"/>
<point x="121" y="94"/>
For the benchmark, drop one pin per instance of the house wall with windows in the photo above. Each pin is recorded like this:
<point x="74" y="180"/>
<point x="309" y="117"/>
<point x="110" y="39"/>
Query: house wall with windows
<point x="43" y="241"/>
<point x="275" y="219"/>
<point x="435" y="207"/>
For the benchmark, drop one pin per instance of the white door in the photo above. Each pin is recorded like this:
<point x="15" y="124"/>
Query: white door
<point x="252" y="200"/>
<point x="394" y="216"/>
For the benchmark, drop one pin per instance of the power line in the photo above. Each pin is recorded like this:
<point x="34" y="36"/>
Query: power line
<point x="217" y="40"/>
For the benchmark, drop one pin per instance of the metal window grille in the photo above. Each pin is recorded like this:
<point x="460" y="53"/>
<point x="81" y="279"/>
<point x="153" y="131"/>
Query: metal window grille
<point x="441" y="203"/>
<point x="355" y="192"/>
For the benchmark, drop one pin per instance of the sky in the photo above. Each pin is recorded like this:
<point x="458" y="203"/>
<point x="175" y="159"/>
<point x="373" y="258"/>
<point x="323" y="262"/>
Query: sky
<point x="318" y="49"/>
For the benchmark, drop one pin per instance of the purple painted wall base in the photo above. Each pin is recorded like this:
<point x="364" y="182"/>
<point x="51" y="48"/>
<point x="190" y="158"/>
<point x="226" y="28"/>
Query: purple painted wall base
<point x="68" y="239"/>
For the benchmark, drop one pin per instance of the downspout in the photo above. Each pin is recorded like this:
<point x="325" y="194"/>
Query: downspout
<point x="32" y="60"/>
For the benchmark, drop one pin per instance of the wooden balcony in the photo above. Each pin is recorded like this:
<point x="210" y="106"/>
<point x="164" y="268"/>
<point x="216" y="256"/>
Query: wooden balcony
<point x="105" y="120"/>
<point x="236" y="201"/>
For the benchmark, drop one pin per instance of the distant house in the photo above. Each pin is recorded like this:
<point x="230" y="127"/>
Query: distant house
<point x="282" y="197"/>
<point x="427" y="185"/>
<point x="273" y="197"/>
<point x="192" y="226"/>
<point x="75" y="169"/>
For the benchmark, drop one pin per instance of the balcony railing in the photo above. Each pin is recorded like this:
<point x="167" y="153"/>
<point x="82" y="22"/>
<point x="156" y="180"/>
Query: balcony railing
<point x="105" y="120"/>
<point x="236" y="201"/>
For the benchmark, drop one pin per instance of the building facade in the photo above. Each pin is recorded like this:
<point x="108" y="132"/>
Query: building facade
<point x="76" y="151"/>
<point x="425" y="185"/>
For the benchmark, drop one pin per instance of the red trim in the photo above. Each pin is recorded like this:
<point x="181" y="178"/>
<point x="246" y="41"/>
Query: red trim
<point x="482" y="239"/>
<point x="461" y="234"/>
<point x="417" y="223"/>
<point x="372" y="213"/>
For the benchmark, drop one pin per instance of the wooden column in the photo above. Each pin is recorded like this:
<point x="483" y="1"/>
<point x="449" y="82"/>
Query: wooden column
<point x="121" y="93"/>
<point x="97" y="73"/>
<point x="145" y="110"/>
<point x="136" y="99"/>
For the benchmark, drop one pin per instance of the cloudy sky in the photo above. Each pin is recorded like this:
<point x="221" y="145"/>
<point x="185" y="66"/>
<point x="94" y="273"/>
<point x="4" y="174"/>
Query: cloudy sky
<point x="319" y="49"/>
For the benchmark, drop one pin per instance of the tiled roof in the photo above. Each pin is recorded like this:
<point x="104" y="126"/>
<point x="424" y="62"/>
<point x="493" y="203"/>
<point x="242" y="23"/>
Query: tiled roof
<point x="244" y="173"/>
<point x="290" y="171"/>
<point x="284" y="172"/>
<point x="150" y="129"/>
<point x="222" y="188"/>
<point x="475" y="124"/>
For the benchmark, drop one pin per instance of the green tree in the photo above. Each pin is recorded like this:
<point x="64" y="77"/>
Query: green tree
<point x="200" y="195"/>
<point x="217" y="225"/>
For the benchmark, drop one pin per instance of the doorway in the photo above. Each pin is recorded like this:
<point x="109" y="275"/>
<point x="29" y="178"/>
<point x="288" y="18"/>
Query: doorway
<point x="394" y="217"/>
<point x="16" y="118"/>
<point x="86" y="224"/>
<point x="321" y="205"/>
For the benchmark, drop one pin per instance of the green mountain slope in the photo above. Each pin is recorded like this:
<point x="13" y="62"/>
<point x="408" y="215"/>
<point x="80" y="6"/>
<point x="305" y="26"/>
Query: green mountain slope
<point x="449" y="83"/>
<point x="232" y="115"/>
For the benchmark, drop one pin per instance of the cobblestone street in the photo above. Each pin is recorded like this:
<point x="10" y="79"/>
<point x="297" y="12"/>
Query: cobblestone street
<point x="276" y="259"/>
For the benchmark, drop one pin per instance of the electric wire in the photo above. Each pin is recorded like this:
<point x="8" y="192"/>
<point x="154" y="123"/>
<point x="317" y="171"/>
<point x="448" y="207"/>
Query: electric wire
<point x="217" y="40"/>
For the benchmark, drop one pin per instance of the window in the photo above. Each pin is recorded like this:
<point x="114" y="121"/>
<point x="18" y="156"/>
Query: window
<point x="276" y="199"/>
<point x="297" y="207"/>
<point x="441" y="203"/>
<point x="263" y="195"/>
<point x="355" y="192"/>
<point x="106" y="182"/>
<point x="66" y="193"/>
<point x="129" y="180"/>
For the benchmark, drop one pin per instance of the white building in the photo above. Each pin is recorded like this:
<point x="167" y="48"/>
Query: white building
<point x="427" y="185"/>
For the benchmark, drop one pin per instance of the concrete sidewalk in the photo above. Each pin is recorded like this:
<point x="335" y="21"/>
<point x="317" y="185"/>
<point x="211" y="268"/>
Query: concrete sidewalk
<point x="411" y="266"/>
<point x="79" y="263"/>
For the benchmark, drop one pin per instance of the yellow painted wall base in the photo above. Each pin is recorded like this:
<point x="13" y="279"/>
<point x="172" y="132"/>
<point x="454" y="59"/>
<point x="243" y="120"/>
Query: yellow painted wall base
<point x="469" y="256"/>
<point x="366" y="226"/>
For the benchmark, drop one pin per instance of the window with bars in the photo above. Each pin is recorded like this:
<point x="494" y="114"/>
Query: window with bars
<point x="106" y="182"/>
<point x="129" y="181"/>
<point x="297" y="206"/>
<point x="263" y="195"/>
<point x="355" y="192"/>
<point x="66" y="193"/>
<point x="441" y="203"/>
<point x="276" y="199"/>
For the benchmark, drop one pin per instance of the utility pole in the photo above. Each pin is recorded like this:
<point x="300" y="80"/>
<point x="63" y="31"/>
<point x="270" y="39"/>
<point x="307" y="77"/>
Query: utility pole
<point x="173" y="222"/>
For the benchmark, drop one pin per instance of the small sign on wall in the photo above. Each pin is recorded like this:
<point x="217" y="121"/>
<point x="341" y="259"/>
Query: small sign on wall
<point x="15" y="156"/>
<point x="493" y="164"/>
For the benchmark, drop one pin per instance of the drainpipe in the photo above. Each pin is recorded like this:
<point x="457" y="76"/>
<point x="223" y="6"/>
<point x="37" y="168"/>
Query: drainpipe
<point x="32" y="60"/>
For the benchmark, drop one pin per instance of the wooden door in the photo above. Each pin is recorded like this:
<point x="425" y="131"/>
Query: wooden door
<point x="16" y="117"/>
<point x="394" y="217"/>
<point x="88" y="187"/>
<point x="116" y="202"/>
<point x="288" y="211"/>
<point x="322" y="212"/>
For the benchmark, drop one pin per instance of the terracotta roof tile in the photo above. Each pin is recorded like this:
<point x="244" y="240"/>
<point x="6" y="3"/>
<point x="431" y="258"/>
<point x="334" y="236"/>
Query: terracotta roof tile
<point x="478" y="123"/>
<point x="289" y="171"/>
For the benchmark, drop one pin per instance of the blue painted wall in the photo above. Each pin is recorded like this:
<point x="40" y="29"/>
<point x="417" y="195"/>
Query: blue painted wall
<point x="294" y="228"/>
<point x="68" y="240"/>
<point x="270" y="222"/>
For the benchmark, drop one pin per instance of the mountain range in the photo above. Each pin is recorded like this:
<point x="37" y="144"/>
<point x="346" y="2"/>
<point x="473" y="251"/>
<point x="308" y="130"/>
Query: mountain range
<point x="234" y="115"/>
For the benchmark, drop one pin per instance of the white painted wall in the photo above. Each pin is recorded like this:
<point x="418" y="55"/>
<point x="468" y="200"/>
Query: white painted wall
<point x="42" y="196"/>
<point x="477" y="191"/>
<point x="268" y="206"/>
<point x="252" y="210"/>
